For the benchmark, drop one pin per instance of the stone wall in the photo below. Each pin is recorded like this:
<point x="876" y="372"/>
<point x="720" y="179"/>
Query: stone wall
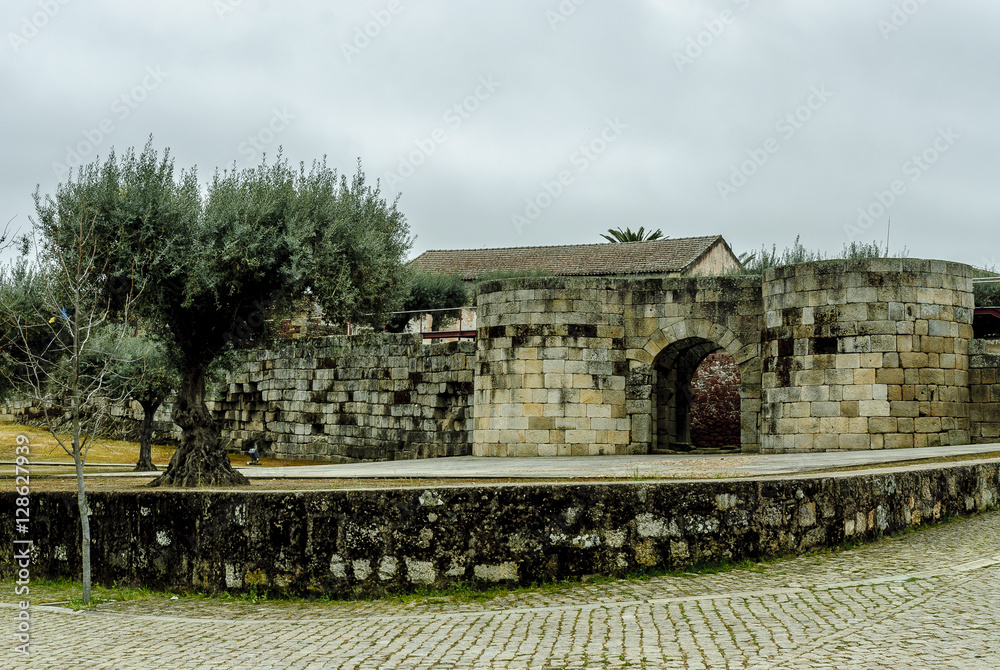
<point x="354" y="398"/>
<point x="367" y="542"/>
<point x="551" y="369"/>
<point x="984" y="388"/>
<point x="569" y="366"/>
<point x="866" y="354"/>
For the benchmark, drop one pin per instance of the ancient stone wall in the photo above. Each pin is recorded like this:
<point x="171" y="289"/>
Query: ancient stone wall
<point x="353" y="398"/>
<point x="984" y="389"/>
<point x="550" y="370"/>
<point x="368" y="542"/>
<point x="584" y="366"/>
<point x="866" y="354"/>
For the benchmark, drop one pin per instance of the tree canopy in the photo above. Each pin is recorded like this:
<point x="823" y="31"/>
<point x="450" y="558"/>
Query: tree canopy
<point x="218" y="262"/>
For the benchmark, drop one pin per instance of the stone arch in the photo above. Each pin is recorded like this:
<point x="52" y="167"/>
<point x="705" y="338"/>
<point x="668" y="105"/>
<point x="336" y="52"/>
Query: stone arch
<point x="666" y="362"/>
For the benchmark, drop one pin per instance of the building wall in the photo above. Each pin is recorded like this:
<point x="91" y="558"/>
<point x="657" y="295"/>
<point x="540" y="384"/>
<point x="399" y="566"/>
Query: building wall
<point x="718" y="261"/>
<point x="832" y="355"/>
<point x="984" y="390"/>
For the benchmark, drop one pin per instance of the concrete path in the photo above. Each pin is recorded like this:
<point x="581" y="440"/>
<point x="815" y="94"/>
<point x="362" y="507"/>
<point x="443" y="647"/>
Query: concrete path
<point x="618" y="467"/>
<point x="928" y="600"/>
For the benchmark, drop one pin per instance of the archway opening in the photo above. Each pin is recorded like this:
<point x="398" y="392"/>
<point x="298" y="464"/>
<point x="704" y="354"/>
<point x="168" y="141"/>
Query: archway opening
<point x="715" y="403"/>
<point x="694" y="386"/>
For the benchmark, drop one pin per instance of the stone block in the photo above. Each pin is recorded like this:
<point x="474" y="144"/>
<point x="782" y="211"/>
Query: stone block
<point x="892" y="375"/>
<point x="874" y="408"/>
<point x="879" y="424"/>
<point x="927" y="424"/>
<point x="821" y="409"/>
<point x="855" y="442"/>
<point x="858" y="392"/>
<point x="913" y="359"/>
<point x="899" y="441"/>
<point x="864" y="376"/>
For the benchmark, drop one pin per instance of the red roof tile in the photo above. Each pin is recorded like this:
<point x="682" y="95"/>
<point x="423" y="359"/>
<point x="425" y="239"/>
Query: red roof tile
<point x="656" y="257"/>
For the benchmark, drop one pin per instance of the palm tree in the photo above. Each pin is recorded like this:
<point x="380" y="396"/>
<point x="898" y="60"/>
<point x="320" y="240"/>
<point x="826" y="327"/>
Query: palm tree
<point x="627" y="235"/>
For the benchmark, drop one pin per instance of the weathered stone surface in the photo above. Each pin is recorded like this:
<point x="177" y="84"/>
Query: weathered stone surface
<point x="370" y="541"/>
<point x="359" y="398"/>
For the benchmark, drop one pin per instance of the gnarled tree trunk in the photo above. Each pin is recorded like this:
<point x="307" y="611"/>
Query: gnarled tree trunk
<point x="145" y="463"/>
<point x="200" y="459"/>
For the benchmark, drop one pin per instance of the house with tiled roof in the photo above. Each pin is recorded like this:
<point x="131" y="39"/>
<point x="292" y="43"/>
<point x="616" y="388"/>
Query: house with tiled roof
<point x="678" y="257"/>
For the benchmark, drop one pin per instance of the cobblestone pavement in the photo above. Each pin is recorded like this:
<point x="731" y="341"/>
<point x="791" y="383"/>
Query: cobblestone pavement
<point x="924" y="600"/>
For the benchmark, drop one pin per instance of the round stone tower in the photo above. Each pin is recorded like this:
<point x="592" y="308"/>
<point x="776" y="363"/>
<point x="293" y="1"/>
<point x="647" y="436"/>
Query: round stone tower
<point x="866" y="354"/>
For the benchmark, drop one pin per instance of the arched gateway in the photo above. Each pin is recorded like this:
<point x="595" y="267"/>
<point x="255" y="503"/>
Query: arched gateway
<point x="594" y="366"/>
<point x="832" y="355"/>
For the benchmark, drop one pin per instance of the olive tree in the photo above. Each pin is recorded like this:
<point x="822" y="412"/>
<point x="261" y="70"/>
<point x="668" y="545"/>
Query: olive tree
<point x="219" y="261"/>
<point x="139" y="369"/>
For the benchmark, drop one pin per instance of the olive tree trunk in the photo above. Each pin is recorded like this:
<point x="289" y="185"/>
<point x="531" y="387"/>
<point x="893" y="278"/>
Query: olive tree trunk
<point x="145" y="463"/>
<point x="200" y="459"/>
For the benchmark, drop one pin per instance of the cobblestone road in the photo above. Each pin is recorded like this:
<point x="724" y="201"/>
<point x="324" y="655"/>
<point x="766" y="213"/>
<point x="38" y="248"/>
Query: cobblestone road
<point x="926" y="600"/>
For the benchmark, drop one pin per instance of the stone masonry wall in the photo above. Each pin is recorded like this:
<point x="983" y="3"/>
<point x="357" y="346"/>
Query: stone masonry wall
<point x="551" y="370"/>
<point x="368" y="542"/>
<point x="354" y="398"/>
<point x="568" y="366"/>
<point x="866" y="354"/>
<point x="984" y="388"/>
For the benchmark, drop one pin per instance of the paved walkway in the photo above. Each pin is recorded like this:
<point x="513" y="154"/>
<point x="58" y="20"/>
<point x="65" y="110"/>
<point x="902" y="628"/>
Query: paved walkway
<point x="672" y="466"/>
<point x="927" y="600"/>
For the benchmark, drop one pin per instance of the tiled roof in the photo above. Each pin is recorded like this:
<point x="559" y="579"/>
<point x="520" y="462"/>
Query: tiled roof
<point x="612" y="258"/>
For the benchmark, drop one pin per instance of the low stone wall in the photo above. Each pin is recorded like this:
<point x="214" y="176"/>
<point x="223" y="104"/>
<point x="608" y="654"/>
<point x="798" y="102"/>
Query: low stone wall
<point x="368" y="542"/>
<point x="984" y="387"/>
<point x="354" y="398"/>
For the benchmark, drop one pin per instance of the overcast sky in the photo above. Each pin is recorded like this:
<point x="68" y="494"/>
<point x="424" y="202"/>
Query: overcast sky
<point x="522" y="123"/>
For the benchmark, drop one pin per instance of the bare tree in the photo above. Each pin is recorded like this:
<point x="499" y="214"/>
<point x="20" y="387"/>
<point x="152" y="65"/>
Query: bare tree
<point x="55" y="306"/>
